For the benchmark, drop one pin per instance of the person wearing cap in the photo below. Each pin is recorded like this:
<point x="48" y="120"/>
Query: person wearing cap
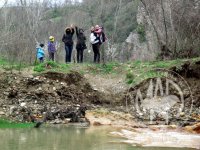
<point x="40" y="53"/>
<point x="68" y="41"/>
<point x="51" y="48"/>
<point x="80" y="45"/>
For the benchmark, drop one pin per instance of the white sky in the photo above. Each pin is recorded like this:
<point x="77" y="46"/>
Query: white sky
<point x="10" y="2"/>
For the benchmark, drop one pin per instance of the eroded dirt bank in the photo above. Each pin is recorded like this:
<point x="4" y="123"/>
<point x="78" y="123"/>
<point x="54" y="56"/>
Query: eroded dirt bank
<point x="49" y="96"/>
<point x="61" y="98"/>
<point x="57" y="96"/>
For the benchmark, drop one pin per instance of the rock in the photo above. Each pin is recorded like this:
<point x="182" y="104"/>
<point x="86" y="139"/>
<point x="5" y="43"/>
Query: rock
<point x="12" y="109"/>
<point x="36" y="78"/>
<point x="23" y="104"/>
<point x="6" y="93"/>
<point x="17" y="82"/>
<point x="182" y="114"/>
<point x="67" y="120"/>
<point x="194" y="128"/>
<point x="2" y="113"/>
<point x="30" y="76"/>
<point x="95" y="123"/>
<point x="56" y="121"/>
<point x="173" y="126"/>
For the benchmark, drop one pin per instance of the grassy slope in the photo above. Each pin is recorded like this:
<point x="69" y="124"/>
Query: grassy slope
<point x="131" y="70"/>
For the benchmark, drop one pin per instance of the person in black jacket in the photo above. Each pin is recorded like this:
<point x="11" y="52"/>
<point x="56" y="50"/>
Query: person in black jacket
<point x="68" y="40"/>
<point x="95" y="41"/>
<point x="80" y="45"/>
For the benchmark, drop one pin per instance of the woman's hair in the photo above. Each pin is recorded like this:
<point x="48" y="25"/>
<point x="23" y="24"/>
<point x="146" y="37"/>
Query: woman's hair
<point x="97" y="26"/>
<point x="41" y="45"/>
<point x="92" y="28"/>
<point x="68" y="29"/>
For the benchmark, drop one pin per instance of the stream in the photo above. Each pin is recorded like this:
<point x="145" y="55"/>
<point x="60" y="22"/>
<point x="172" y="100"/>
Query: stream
<point x="69" y="137"/>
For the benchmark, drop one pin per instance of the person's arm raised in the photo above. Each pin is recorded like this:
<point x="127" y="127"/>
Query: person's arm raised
<point x="77" y="33"/>
<point x="72" y="29"/>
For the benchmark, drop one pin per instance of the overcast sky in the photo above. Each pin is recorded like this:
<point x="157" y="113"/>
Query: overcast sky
<point x="10" y="2"/>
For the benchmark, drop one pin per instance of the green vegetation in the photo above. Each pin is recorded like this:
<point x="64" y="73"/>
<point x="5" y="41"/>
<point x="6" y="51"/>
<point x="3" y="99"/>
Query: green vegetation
<point x="141" y="31"/>
<point x="53" y="66"/>
<point x="134" y="72"/>
<point x="109" y="68"/>
<point x="8" y="124"/>
<point x="129" y="77"/>
<point x="9" y="66"/>
<point x="139" y="71"/>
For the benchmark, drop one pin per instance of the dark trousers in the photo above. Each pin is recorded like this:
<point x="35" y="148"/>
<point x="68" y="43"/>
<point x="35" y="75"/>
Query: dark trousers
<point x="80" y="55"/>
<point x="68" y="49"/>
<point x="41" y="59"/>
<point x="51" y="56"/>
<point x="95" y="48"/>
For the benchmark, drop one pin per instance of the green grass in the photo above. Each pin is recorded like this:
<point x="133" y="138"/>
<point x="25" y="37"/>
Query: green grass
<point x="138" y="71"/>
<point x="53" y="66"/>
<point x="133" y="71"/>
<point x="9" y="124"/>
<point x="5" y="64"/>
<point x="108" y="68"/>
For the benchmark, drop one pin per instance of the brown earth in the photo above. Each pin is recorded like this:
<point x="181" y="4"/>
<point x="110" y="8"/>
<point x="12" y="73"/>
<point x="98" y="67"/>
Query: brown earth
<point x="57" y="96"/>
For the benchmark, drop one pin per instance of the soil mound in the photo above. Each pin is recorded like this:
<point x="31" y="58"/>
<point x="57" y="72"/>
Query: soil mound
<point x="48" y="96"/>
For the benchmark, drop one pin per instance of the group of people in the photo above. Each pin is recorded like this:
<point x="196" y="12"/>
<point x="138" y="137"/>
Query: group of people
<point x="97" y="37"/>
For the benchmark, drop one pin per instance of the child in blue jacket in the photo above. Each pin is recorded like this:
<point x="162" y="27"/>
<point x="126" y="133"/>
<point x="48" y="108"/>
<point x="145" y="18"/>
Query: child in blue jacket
<point x="40" y="53"/>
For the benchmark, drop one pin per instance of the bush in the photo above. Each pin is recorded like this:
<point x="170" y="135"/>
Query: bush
<point x="129" y="78"/>
<point x="141" y="31"/>
<point x="39" y="68"/>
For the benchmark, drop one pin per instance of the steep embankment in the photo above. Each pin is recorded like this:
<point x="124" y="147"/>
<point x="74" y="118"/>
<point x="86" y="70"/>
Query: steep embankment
<point x="61" y="97"/>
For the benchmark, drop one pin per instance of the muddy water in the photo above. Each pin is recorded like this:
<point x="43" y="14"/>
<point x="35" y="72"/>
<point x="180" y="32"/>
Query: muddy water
<point x="64" y="138"/>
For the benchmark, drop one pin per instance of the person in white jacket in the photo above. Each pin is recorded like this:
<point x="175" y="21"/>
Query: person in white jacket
<point x="95" y="41"/>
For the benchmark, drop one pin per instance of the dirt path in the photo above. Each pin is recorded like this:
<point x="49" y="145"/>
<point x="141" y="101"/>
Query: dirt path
<point x="108" y="84"/>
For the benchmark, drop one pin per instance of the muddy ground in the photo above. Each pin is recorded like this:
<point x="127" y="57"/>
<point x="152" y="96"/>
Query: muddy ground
<point x="61" y="98"/>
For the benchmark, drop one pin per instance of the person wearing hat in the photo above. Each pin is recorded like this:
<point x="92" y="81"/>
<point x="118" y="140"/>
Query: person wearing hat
<point x="80" y="45"/>
<point x="68" y="41"/>
<point x="51" y="48"/>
